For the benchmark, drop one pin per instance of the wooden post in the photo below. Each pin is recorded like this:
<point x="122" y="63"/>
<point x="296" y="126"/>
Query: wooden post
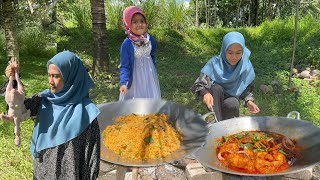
<point x="296" y="21"/>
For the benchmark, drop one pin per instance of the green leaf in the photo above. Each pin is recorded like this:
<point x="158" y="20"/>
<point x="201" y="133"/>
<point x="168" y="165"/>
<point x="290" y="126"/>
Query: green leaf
<point x="282" y="152"/>
<point x="148" y="140"/>
<point x="247" y="145"/>
<point x="225" y="138"/>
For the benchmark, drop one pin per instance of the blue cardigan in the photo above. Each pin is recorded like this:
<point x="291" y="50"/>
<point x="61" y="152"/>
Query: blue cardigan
<point x="127" y="60"/>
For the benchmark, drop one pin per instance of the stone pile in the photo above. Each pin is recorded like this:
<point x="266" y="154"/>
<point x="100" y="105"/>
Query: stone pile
<point x="190" y="169"/>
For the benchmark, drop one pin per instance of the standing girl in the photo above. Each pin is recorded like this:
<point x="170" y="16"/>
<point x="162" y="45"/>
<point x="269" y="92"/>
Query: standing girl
<point x="138" y="75"/>
<point x="226" y="78"/>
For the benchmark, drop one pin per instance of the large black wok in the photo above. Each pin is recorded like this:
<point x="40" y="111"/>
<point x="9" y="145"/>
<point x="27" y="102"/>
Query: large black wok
<point x="306" y="134"/>
<point x="190" y="124"/>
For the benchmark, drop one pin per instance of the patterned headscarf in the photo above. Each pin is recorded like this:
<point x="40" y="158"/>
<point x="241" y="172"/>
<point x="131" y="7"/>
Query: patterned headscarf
<point x="128" y="13"/>
<point x="234" y="79"/>
<point x="66" y="114"/>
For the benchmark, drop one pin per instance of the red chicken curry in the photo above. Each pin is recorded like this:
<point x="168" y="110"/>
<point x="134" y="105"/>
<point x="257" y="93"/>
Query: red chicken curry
<point x="257" y="152"/>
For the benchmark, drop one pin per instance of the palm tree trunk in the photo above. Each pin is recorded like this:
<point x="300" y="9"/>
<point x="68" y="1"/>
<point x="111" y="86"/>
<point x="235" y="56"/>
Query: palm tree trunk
<point x="10" y="30"/>
<point x="100" y="58"/>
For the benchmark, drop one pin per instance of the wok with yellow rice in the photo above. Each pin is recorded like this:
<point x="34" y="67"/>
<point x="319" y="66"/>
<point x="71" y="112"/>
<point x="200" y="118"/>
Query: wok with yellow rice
<point x="189" y="127"/>
<point x="142" y="137"/>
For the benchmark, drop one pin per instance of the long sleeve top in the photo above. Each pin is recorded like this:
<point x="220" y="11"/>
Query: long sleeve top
<point x="127" y="60"/>
<point x="203" y="84"/>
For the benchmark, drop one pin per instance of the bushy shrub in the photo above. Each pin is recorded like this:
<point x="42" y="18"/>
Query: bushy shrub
<point x="279" y="31"/>
<point x="160" y="14"/>
<point x="81" y="14"/>
<point x="32" y="41"/>
<point x="114" y="15"/>
<point x="275" y="39"/>
<point x="176" y="15"/>
<point x="308" y="51"/>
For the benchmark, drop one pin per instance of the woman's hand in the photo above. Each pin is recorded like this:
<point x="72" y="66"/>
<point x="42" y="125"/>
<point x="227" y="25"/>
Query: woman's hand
<point x="10" y="69"/>
<point x="123" y="89"/>
<point x="208" y="100"/>
<point x="253" y="107"/>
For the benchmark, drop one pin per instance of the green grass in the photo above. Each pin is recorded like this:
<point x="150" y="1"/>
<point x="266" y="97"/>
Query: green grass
<point x="16" y="162"/>
<point x="180" y="57"/>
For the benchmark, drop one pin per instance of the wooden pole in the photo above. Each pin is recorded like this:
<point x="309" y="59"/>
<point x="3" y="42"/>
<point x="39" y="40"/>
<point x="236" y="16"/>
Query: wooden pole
<point x="296" y="21"/>
<point x="197" y="13"/>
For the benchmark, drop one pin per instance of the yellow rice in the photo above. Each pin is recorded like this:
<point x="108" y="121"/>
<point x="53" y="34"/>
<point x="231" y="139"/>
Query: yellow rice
<point x="142" y="137"/>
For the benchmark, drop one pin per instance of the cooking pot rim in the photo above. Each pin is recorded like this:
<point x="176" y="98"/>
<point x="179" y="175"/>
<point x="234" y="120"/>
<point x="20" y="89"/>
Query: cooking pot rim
<point x="203" y="159"/>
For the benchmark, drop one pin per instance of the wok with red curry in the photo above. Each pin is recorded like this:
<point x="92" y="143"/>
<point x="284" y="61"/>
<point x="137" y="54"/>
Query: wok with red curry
<point x="301" y="132"/>
<point x="257" y="152"/>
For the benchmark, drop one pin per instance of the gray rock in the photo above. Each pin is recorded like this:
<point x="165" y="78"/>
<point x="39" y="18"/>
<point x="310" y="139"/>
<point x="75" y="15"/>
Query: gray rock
<point x="276" y="86"/>
<point x="316" y="171"/>
<point x="277" y="178"/>
<point x="295" y="71"/>
<point x="147" y="173"/>
<point x="305" y="175"/>
<point x="314" y="72"/>
<point x="236" y="177"/>
<point x="182" y="163"/>
<point x="169" y="172"/>
<point x="106" y="167"/>
<point x="264" y="88"/>
<point x="108" y="176"/>
<point x="305" y="74"/>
